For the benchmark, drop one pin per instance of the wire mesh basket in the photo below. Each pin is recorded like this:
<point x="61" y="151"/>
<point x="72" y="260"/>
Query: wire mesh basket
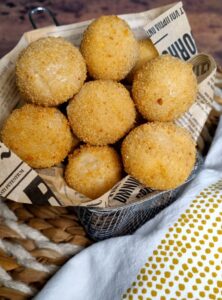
<point x="103" y="223"/>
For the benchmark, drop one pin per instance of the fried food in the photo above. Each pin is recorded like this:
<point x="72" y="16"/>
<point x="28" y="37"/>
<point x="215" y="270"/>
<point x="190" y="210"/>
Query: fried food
<point x="40" y="136"/>
<point x="102" y="112"/>
<point x="93" y="170"/>
<point x="160" y="155"/>
<point x="50" y="71"/>
<point x="147" y="51"/>
<point x="164" y="88"/>
<point x="109" y="48"/>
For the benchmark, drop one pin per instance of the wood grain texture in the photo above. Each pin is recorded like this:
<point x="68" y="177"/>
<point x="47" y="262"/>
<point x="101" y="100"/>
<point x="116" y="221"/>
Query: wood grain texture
<point x="205" y="18"/>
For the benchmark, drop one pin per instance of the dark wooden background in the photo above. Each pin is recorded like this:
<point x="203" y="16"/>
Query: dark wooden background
<point x="205" y="17"/>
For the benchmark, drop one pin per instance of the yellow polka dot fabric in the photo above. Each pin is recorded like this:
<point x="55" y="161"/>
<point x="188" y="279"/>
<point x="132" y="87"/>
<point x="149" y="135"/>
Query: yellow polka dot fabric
<point x="187" y="264"/>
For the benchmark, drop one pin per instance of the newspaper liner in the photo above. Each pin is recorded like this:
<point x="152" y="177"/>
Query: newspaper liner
<point x="170" y="32"/>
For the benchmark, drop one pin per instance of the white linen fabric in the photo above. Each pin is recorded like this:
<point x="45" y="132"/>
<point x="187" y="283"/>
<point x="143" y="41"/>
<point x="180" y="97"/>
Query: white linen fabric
<point x="176" y="255"/>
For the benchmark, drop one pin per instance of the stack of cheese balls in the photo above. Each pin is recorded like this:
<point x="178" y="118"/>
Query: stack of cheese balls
<point x="102" y="111"/>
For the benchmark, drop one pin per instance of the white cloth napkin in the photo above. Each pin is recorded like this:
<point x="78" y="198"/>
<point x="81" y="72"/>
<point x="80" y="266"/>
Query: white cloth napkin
<point x="170" y="257"/>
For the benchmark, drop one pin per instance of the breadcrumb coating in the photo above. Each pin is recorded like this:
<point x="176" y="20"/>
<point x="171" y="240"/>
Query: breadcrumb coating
<point x="102" y="112"/>
<point x="50" y="71"/>
<point x="147" y="51"/>
<point x="160" y="155"/>
<point x="109" y="48"/>
<point x="40" y="136"/>
<point x="164" y="88"/>
<point x="93" y="170"/>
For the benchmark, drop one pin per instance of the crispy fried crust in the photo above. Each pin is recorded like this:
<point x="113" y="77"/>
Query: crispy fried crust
<point x="102" y="112"/>
<point x="160" y="155"/>
<point x="93" y="170"/>
<point x="109" y="48"/>
<point x="40" y="136"/>
<point x="164" y="88"/>
<point x="50" y="71"/>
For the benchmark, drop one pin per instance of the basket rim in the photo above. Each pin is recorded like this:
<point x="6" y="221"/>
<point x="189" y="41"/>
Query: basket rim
<point x="99" y="210"/>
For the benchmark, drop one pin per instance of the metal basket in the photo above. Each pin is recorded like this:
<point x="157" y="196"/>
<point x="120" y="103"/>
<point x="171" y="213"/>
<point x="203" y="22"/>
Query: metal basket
<point x="103" y="223"/>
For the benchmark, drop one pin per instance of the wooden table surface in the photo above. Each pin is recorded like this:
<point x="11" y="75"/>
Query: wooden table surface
<point x="205" y="17"/>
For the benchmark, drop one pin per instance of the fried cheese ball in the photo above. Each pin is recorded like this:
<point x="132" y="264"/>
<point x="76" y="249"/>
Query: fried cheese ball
<point x="159" y="155"/>
<point x="40" y="136"/>
<point x="93" y="170"/>
<point x="109" y="48"/>
<point x="102" y="112"/>
<point x="164" y="88"/>
<point x="50" y="71"/>
<point x="147" y="51"/>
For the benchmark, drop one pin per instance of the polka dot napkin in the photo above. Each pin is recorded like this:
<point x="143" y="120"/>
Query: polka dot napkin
<point x="187" y="263"/>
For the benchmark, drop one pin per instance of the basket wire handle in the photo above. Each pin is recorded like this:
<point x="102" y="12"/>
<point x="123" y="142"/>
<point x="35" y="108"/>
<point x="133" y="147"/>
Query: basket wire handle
<point x="39" y="10"/>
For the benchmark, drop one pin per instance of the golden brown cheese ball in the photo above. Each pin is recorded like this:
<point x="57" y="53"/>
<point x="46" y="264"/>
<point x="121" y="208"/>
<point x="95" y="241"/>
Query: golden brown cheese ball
<point x="164" y="88"/>
<point x="160" y="155"/>
<point x="93" y="170"/>
<point x="50" y="71"/>
<point x="147" y="51"/>
<point x="109" y="48"/>
<point x="102" y="112"/>
<point x="40" y="136"/>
